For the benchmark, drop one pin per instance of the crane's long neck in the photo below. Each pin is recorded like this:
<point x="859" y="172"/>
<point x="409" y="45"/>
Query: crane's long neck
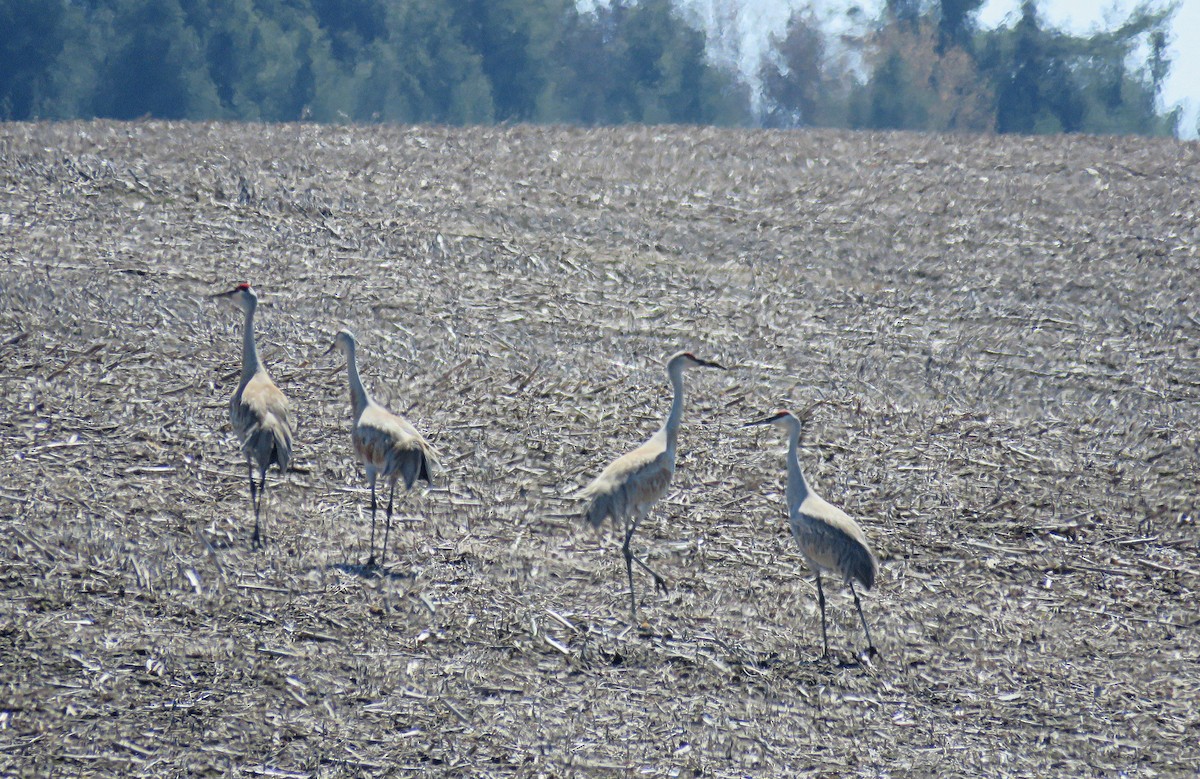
<point x="797" y="487"/>
<point x="250" y="363"/>
<point x="358" y="395"/>
<point x="675" y="371"/>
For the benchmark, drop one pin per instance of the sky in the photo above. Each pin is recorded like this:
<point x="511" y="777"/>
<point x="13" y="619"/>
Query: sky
<point x="1078" y="16"/>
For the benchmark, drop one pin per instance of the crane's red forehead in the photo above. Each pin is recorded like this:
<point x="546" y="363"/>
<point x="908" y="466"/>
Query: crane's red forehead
<point x="244" y="285"/>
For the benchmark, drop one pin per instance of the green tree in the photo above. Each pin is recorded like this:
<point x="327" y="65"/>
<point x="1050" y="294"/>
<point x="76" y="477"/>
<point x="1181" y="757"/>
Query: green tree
<point x="956" y="24"/>
<point x="905" y="13"/>
<point x="422" y="71"/>
<point x="1048" y="81"/>
<point x="154" y="65"/>
<point x="31" y="40"/>
<point x="804" y="83"/>
<point x="351" y="25"/>
<point x="586" y="59"/>
<point x="74" y="75"/>
<point x="1021" y="105"/>
<point x="643" y="62"/>
<point x="893" y="103"/>
<point x="515" y="41"/>
<point x="663" y="66"/>
<point x="261" y="64"/>
<point x="915" y="84"/>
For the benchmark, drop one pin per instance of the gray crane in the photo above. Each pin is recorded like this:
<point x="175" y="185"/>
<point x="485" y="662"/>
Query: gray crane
<point x="632" y="483"/>
<point x="828" y="538"/>
<point x="258" y="410"/>
<point x="386" y="444"/>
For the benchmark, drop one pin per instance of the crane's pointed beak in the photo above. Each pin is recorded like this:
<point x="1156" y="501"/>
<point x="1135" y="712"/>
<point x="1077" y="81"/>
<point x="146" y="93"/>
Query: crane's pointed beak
<point x="765" y="420"/>
<point x="337" y="367"/>
<point x="710" y="364"/>
<point x="222" y="294"/>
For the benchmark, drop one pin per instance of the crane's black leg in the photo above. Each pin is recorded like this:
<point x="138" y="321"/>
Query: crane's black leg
<point x="387" y="529"/>
<point x="871" y="650"/>
<point x="253" y="502"/>
<point x="659" y="582"/>
<point x="260" y="538"/>
<point x="628" y="554"/>
<point x="371" y="559"/>
<point x="821" y="601"/>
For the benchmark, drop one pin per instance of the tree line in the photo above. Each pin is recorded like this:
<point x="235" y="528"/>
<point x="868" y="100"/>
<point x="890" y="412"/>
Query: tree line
<point x="927" y="65"/>
<point x="923" y="64"/>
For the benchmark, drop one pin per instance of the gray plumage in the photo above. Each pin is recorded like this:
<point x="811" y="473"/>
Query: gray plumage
<point x="258" y="411"/>
<point x="385" y="443"/>
<point x="634" y="482"/>
<point x="828" y="538"/>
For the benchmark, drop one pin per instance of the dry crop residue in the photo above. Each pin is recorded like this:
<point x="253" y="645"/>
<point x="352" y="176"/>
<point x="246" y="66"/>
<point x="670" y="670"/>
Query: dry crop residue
<point x="1004" y="332"/>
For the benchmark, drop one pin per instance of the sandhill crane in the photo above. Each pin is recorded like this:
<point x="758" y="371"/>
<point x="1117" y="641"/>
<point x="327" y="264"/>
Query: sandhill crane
<point x="828" y="538"/>
<point x="386" y="444"/>
<point x="632" y="483"/>
<point x="258" y="410"/>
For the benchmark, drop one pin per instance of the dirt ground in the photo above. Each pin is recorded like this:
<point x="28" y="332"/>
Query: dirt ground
<point x="1003" y="334"/>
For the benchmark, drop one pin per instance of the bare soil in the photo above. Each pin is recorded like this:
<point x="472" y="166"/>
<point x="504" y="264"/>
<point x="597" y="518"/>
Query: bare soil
<point x="1003" y="334"/>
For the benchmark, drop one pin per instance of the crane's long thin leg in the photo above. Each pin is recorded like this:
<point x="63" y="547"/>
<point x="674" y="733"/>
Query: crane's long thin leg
<point x="261" y="538"/>
<point x="659" y="582"/>
<point x="821" y="601"/>
<point x="371" y="559"/>
<point x="387" y="529"/>
<point x="253" y="501"/>
<point x="871" y="650"/>
<point x="628" y="554"/>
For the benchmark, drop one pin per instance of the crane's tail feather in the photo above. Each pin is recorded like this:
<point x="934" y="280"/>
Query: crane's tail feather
<point x="859" y="564"/>
<point x="283" y="448"/>
<point x="431" y="464"/>
<point x="598" y="509"/>
<point x="413" y="467"/>
<point x="267" y="445"/>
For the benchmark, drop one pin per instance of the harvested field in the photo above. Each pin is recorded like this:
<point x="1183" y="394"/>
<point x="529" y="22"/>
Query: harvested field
<point x="1004" y="334"/>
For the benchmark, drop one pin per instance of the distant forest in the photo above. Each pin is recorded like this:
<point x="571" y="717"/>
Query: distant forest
<point x="921" y="65"/>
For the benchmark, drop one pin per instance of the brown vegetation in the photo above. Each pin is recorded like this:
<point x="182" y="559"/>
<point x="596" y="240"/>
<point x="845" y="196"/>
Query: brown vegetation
<point x="1004" y="332"/>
